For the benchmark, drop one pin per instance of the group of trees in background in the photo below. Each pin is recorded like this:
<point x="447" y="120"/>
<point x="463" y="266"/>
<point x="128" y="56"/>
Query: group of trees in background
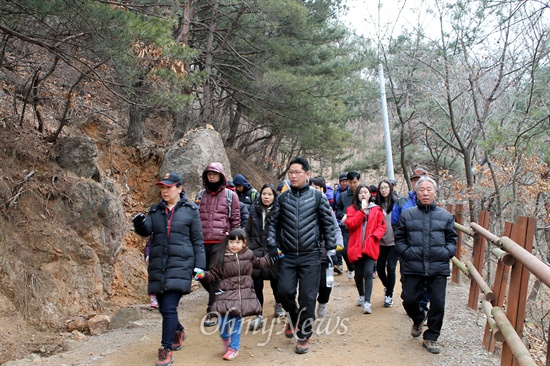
<point x="468" y="99"/>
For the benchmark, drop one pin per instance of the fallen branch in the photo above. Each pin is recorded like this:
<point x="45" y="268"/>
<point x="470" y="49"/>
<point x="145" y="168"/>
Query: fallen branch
<point x="12" y="201"/>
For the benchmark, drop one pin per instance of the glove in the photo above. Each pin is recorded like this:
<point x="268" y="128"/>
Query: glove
<point x="339" y="247"/>
<point x="275" y="254"/>
<point x="138" y="219"/>
<point x="199" y="274"/>
<point x="331" y="255"/>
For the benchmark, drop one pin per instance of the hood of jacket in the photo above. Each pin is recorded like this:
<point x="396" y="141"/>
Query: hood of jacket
<point x="214" y="167"/>
<point x="240" y="180"/>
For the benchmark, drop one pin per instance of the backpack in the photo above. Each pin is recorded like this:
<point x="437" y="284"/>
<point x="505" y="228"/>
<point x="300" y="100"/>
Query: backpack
<point x="228" y="193"/>
<point x="254" y="195"/>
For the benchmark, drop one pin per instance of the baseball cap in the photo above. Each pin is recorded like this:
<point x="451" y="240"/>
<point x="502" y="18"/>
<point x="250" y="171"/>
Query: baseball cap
<point x="417" y="173"/>
<point x="343" y="176"/>
<point x="171" y="179"/>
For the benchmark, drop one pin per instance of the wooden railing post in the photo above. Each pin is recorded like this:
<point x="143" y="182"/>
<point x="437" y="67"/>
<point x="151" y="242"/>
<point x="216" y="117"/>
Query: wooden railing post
<point x="523" y="232"/>
<point x="459" y="219"/>
<point x="499" y="289"/>
<point x="480" y="244"/>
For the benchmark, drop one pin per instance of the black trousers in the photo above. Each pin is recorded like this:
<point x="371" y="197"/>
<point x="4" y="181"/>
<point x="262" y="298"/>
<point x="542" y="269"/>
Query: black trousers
<point x="324" y="291"/>
<point x="304" y="271"/>
<point x="210" y="287"/>
<point x="412" y="288"/>
<point x="345" y="236"/>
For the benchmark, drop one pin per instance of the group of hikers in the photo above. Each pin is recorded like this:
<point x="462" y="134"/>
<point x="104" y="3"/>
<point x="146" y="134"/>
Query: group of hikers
<point x="232" y="238"/>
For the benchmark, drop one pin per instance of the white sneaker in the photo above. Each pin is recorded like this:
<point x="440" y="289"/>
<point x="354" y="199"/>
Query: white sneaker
<point x="351" y="275"/>
<point x="257" y="323"/>
<point x="321" y="310"/>
<point x="367" y="308"/>
<point x="388" y="301"/>
<point x="360" y="301"/>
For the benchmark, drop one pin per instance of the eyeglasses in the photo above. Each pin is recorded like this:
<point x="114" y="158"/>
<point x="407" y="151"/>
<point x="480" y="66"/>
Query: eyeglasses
<point x="297" y="172"/>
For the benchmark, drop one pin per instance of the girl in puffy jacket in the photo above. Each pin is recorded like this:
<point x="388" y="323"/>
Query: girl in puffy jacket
<point x="367" y="226"/>
<point x="231" y="268"/>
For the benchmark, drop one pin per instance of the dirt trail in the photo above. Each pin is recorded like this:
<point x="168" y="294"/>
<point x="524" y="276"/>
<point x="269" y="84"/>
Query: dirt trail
<point x="346" y="337"/>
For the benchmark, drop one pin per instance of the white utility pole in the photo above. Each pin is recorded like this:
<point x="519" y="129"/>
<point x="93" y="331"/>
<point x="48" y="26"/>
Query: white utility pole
<point x="387" y="137"/>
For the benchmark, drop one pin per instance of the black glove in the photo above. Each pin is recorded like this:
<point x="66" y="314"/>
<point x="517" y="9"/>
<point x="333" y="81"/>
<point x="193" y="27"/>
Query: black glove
<point x="273" y="254"/>
<point x="139" y="219"/>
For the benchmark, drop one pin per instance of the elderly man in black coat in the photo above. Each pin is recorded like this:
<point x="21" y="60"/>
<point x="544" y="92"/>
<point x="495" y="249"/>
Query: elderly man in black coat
<point x="425" y="239"/>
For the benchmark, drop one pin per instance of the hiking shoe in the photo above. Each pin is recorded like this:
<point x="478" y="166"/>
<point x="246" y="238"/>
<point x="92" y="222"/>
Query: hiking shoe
<point x="178" y="340"/>
<point x="416" y="330"/>
<point x="360" y="301"/>
<point x="230" y="354"/>
<point x="338" y="269"/>
<point x="257" y="323"/>
<point x="225" y="344"/>
<point x="278" y="310"/>
<point x="373" y="274"/>
<point x="321" y="310"/>
<point x="367" y="309"/>
<point x="302" y="346"/>
<point x="210" y="321"/>
<point x="165" y="357"/>
<point x="431" y="346"/>
<point x="351" y="275"/>
<point x="289" y="332"/>
<point x="388" y="301"/>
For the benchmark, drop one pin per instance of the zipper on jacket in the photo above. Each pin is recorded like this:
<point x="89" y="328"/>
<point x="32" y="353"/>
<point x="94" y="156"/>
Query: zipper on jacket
<point x="239" y="269"/>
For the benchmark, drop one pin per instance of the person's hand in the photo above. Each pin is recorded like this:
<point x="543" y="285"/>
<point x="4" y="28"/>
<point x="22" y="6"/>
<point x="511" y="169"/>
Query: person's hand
<point x="331" y="255"/>
<point x="199" y="274"/>
<point x="364" y="204"/>
<point x="343" y="221"/>
<point x="138" y="219"/>
<point x="274" y="254"/>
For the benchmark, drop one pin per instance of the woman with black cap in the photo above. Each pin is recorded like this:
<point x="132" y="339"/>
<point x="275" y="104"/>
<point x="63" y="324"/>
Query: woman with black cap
<point x="176" y="253"/>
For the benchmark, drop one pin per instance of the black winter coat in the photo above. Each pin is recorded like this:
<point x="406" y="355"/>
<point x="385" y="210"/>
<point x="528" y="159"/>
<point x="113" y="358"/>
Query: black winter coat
<point x="425" y="239"/>
<point x="299" y="221"/>
<point x="173" y="255"/>
<point x="257" y="240"/>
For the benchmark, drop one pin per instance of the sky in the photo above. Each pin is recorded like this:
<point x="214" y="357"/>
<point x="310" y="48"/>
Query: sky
<point x="366" y="18"/>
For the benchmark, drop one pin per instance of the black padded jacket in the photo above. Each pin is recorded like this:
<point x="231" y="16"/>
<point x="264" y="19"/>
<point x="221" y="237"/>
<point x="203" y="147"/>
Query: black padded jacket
<point x="300" y="219"/>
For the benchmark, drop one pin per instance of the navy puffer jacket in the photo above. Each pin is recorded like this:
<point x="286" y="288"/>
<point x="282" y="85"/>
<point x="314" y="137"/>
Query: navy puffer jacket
<point x="425" y="239"/>
<point x="299" y="221"/>
<point x="173" y="255"/>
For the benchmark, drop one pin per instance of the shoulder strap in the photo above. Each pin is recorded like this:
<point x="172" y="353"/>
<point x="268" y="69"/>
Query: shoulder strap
<point x="229" y="194"/>
<point x="253" y="195"/>
<point x="199" y="197"/>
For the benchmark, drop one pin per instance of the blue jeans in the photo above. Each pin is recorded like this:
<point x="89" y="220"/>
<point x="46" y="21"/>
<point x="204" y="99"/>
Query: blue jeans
<point x="168" y="308"/>
<point x="230" y="328"/>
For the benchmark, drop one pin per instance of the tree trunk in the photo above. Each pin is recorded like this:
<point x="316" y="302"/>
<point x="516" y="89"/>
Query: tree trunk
<point x="134" y="137"/>
<point x="206" y="114"/>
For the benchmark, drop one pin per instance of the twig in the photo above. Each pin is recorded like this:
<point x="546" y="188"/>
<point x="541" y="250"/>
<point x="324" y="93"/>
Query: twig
<point x="12" y="201"/>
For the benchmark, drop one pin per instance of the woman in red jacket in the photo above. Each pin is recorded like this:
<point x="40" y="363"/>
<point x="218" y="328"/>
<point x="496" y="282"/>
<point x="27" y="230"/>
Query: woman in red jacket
<point x="367" y="226"/>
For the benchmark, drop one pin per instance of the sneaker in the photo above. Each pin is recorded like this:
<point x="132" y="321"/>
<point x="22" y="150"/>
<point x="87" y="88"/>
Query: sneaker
<point x="279" y="311"/>
<point x="431" y="346"/>
<point x="360" y="301"/>
<point x="338" y="269"/>
<point x="154" y="302"/>
<point x="302" y="346"/>
<point x="351" y="275"/>
<point x="225" y="343"/>
<point x="388" y="301"/>
<point x="230" y="354"/>
<point x="178" y="340"/>
<point x="210" y="321"/>
<point x="289" y="332"/>
<point x="367" y="309"/>
<point x="321" y="310"/>
<point x="257" y="323"/>
<point x="165" y="357"/>
<point x="374" y="274"/>
<point x="416" y="330"/>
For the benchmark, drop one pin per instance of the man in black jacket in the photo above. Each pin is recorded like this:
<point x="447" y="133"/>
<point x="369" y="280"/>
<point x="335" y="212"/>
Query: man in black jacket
<point x="425" y="239"/>
<point x="299" y="221"/>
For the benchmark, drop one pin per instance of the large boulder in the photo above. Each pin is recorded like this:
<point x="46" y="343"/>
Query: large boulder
<point x="191" y="154"/>
<point x="79" y="155"/>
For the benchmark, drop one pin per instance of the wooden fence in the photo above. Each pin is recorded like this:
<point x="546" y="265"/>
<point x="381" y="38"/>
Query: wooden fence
<point x="515" y="263"/>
